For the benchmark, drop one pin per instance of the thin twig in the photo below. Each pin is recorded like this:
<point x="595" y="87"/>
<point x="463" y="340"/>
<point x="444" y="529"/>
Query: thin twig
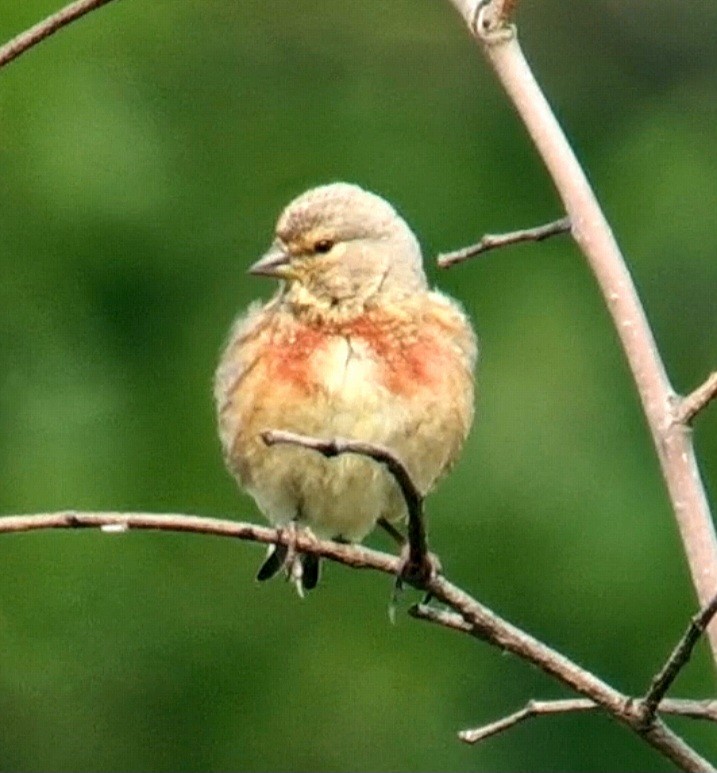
<point x="486" y="625"/>
<point x="43" y="29"/>
<point x="493" y="241"/>
<point x="418" y="566"/>
<point x="697" y="401"/>
<point x="592" y="233"/>
<point x="695" y="709"/>
<point x="654" y="700"/>
<point x="530" y="710"/>
<point x="480" y="621"/>
<point x="680" y="655"/>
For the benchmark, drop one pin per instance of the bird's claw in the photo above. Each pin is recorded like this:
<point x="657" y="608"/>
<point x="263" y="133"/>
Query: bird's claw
<point x="416" y="573"/>
<point x="285" y="557"/>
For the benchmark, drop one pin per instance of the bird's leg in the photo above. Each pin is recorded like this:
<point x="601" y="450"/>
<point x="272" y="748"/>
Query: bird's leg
<point x="418" y="570"/>
<point x="433" y="567"/>
<point x="398" y="537"/>
<point x="414" y="574"/>
<point x="392" y="531"/>
<point x="293" y="566"/>
<point x="289" y="532"/>
<point x="300" y="569"/>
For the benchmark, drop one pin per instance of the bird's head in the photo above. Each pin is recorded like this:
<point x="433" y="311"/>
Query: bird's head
<point x="340" y="249"/>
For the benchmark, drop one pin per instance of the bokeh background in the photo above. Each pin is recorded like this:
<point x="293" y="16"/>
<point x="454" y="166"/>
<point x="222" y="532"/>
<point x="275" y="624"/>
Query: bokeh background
<point x="144" y="155"/>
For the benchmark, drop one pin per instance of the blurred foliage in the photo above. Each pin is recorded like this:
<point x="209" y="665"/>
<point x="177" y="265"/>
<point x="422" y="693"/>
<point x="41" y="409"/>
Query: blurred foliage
<point x="145" y="153"/>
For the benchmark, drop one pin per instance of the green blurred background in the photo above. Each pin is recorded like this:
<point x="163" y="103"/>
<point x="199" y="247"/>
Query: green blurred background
<point x="145" y="153"/>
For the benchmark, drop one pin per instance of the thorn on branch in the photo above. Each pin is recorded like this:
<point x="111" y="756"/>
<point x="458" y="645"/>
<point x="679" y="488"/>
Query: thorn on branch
<point x="663" y="680"/>
<point x="697" y="401"/>
<point x="493" y="241"/>
<point x="418" y="566"/>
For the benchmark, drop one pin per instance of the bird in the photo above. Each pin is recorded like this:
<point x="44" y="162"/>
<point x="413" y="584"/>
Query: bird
<point x="353" y="344"/>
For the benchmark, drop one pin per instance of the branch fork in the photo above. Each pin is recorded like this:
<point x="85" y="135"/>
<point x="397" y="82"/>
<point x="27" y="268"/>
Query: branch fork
<point x="464" y="613"/>
<point x="468" y="616"/>
<point x="689" y="407"/>
<point x="594" y="237"/>
<point x="669" y="418"/>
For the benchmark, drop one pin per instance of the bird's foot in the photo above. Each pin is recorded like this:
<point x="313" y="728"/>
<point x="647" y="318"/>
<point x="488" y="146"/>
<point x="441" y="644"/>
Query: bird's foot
<point x="417" y="573"/>
<point x="301" y="569"/>
<point x="417" y="570"/>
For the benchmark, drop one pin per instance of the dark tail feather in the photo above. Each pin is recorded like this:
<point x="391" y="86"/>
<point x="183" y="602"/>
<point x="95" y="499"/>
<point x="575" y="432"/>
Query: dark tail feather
<point x="273" y="562"/>
<point x="311" y="565"/>
<point x="276" y="561"/>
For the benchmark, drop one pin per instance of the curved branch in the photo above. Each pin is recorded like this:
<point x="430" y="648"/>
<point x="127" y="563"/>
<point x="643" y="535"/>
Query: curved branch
<point x="477" y="620"/>
<point x="594" y="237"/>
<point x="43" y="29"/>
<point x="487" y="626"/>
<point x="418" y="566"/>
<point x="593" y="234"/>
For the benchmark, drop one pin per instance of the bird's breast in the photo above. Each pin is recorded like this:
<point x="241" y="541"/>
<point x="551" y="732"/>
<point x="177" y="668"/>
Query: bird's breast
<point x="355" y="357"/>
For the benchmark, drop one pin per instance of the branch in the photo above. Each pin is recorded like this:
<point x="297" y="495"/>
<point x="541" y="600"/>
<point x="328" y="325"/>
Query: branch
<point x="697" y="401"/>
<point x="594" y="237"/>
<point x="679" y="657"/>
<point x="592" y="233"/>
<point x="486" y="625"/>
<point x="36" y="34"/>
<point x="650" y="704"/>
<point x="478" y="620"/>
<point x="530" y="710"/>
<point x="355" y="556"/>
<point x="492" y="241"/>
<point x="694" y="709"/>
<point x="654" y="700"/>
<point x="418" y="567"/>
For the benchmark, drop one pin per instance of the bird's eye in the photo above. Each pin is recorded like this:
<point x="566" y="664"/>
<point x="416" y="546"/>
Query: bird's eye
<point x="323" y="246"/>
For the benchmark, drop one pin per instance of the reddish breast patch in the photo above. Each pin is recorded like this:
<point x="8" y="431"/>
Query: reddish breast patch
<point x="408" y="359"/>
<point x="290" y="353"/>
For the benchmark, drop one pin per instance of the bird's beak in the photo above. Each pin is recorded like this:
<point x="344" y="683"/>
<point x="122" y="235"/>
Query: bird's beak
<point x="274" y="263"/>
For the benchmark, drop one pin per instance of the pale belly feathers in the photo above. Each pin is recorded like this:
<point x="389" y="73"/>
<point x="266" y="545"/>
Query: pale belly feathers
<point x="342" y="497"/>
